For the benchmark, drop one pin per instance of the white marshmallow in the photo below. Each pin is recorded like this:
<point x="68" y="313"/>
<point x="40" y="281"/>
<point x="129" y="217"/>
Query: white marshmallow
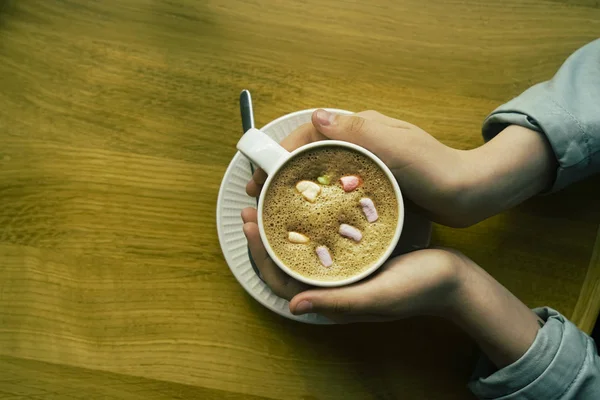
<point x="296" y="237"/>
<point x="350" y="182"/>
<point x="350" y="232"/>
<point x="368" y="208"/>
<point x="309" y="190"/>
<point x="324" y="256"/>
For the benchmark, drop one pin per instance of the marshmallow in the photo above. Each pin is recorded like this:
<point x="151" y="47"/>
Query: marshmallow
<point x="324" y="256"/>
<point x="350" y="232"/>
<point x="296" y="237"/>
<point x="324" y="180"/>
<point x="350" y="182"/>
<point x="368" y="208"/>
<point x="309" y="190"/>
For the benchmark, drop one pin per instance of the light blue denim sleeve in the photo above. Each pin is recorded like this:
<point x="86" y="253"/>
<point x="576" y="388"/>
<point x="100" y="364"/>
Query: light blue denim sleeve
<point x="567" y="110"/>
<point x="562" y="363"/>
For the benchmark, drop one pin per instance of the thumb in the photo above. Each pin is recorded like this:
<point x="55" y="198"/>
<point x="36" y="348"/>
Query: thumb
<point x="357" y="299"/>
<point x="367" y="133"/>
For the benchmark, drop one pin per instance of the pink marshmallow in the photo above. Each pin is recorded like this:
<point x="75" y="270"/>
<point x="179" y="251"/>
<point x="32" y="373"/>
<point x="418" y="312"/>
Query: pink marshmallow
<point x="324" y="256"/>
<point x="350" y="232"/>
<point x="350" y="182"/>
<point x="368" y="208"/>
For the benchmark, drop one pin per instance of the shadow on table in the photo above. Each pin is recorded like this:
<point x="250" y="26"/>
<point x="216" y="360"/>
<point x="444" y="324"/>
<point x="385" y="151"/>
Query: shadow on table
<point x="424" y="355"/>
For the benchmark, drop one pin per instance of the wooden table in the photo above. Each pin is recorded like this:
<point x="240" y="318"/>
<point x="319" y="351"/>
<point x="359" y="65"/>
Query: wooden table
<point x="117" y="121"/>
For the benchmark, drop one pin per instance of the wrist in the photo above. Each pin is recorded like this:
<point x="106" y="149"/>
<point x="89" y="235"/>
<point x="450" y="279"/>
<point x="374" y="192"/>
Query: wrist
<point x="503" y="327"/>
<point x="456" y="283"/>
<point x="466" y="291"/>
<point x="514" y="166"/>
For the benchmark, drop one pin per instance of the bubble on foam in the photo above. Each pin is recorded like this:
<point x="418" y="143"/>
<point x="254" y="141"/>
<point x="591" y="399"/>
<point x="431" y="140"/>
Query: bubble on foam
<point x="286" y="211"/>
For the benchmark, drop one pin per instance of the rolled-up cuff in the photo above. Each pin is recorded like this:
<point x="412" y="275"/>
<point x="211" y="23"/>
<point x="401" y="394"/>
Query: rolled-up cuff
<point x="535" y="109"/>
<point x="550" y="366"/>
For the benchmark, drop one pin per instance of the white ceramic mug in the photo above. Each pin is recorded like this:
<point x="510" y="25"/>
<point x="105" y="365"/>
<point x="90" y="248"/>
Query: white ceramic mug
<point x="270" y="156"/>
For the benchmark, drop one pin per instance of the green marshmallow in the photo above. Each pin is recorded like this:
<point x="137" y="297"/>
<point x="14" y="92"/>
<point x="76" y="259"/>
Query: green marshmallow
<point x="324" y="180"/>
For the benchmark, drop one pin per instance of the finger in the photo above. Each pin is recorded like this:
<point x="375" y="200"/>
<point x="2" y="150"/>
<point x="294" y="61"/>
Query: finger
<point x="384" y="119"/>
<point x="339" y="303"/>
<point x="249" y="214"/>
<point x="280" y="283"/>
<point x="259" y="176"/>
<point x="255" y="184"/>
<point x="304" y="134"/>
<point x="368" y="133"/>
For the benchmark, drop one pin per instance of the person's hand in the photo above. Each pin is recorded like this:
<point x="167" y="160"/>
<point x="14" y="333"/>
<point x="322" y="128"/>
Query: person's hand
<point x="438" y="282"/>
<point x="453" y="187"/>
<point x="421" y="282"/>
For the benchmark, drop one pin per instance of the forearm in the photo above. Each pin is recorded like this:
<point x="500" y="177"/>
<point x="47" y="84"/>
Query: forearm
<point x="566" y="110"/>
<point x="503" y="327"/>
<point x="514" y="166"/>
<point x="537" y="355"/>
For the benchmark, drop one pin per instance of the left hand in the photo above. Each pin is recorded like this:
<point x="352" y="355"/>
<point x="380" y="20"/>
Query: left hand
<point x="437" y="282"/>
<point x="421" y="282"/>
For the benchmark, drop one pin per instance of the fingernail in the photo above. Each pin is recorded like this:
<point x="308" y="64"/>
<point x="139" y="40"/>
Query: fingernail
<point x="303" y="307"/>
<point x="325" y="118"/>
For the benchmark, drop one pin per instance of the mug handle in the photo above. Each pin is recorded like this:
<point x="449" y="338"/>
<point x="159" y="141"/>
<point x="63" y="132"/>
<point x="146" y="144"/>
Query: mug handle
<point x="262" y="150"/>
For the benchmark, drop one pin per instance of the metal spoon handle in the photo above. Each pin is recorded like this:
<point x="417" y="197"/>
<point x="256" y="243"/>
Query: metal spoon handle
<point x="248" y="122"/>
<point x="246" y="110"/>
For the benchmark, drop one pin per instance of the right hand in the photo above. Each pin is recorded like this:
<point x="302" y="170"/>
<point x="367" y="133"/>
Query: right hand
<point x="428" y="172"/>
<point x="453" y="187"/>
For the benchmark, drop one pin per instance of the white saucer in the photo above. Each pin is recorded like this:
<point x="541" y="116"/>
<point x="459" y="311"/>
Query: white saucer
<point x="233" y="198"/>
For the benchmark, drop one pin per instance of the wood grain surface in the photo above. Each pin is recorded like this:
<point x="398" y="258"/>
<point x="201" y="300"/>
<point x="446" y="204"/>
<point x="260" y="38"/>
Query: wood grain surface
<point x="118" y="119"/>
